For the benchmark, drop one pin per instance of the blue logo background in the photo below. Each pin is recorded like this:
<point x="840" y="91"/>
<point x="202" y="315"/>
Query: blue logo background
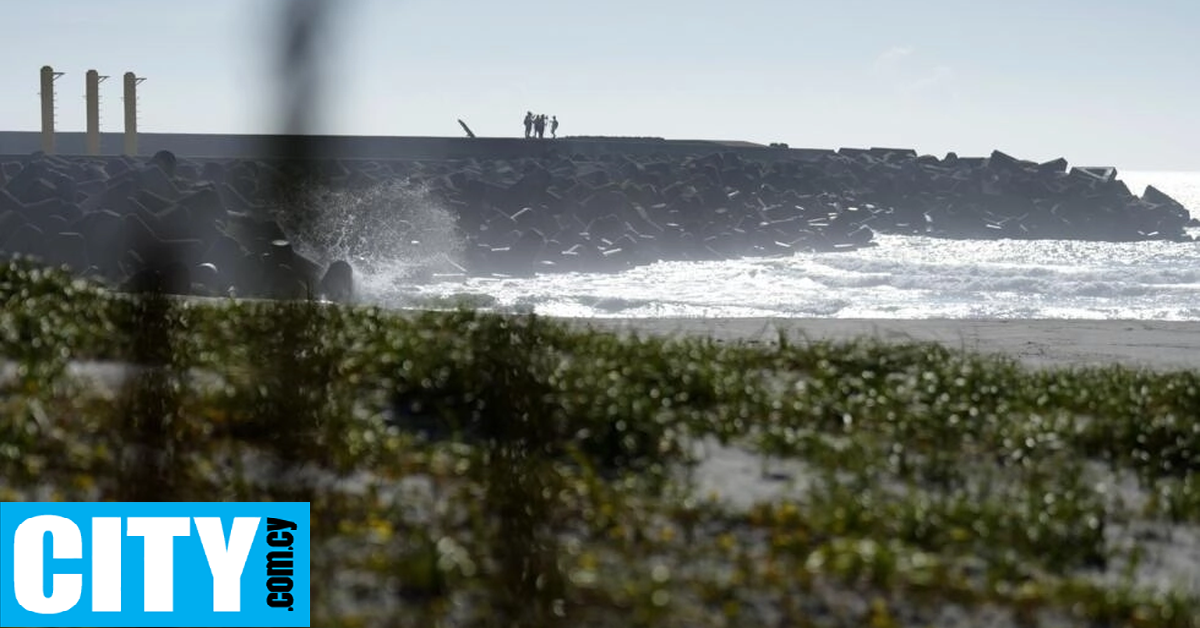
<point x="193" y="591"/>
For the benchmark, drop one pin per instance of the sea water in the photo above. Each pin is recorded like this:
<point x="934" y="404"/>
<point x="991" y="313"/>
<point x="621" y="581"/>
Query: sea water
<point x="902" y="277"/>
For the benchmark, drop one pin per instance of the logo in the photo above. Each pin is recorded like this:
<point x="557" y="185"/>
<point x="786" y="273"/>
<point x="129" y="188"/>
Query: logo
<point x="154" y="564"/>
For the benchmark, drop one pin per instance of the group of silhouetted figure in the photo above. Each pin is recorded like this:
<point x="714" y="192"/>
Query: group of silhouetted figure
<point x="535" y="126"/>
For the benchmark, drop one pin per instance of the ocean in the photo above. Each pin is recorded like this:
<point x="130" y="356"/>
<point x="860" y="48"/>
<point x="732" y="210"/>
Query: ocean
<point x="904" y="277"/>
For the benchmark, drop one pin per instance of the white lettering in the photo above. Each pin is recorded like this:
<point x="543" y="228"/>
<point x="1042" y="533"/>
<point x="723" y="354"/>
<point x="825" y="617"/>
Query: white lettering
<point x="225" y="563"/>
<point x="160" y="533"/>
<point x="65" y="542"/>
<point x="106" y="564"/>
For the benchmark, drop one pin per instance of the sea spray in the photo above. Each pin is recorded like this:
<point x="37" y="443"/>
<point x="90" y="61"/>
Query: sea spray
<point x="904" y="277"/>
<point x="393" y="233"/>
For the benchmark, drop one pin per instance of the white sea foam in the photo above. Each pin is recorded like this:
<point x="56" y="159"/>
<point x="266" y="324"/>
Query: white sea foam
<point x="390" y="232"/>
<point x="902" y="277"/>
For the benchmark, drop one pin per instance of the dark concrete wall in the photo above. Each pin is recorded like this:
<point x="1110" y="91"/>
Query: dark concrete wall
<point x="380" y="148"/>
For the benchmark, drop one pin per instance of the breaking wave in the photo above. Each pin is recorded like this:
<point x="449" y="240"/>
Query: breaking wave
<point x="391" y="233"/>
<point x="902" y="277"/>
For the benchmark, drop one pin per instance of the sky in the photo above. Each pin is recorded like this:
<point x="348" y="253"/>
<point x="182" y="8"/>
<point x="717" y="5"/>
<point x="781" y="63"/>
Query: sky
<point x="1100" y="82"/>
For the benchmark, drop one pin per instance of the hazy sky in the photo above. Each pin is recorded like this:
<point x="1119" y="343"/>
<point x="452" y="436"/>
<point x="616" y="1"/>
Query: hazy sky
<point x="1100" y="82"/>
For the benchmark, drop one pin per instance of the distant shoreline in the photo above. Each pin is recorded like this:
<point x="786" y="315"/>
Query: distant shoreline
<point x="1034" y="342"/>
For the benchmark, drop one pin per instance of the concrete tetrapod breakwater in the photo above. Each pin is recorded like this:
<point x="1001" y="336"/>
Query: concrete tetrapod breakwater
<point x="226" y="226"/>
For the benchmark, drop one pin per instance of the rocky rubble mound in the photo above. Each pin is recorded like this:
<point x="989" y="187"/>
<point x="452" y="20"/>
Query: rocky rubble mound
<point x="1003" y="197"/>
<point x="571" y="213"/>
<point x="225" y="224"/>
<point x="186" y="227"/>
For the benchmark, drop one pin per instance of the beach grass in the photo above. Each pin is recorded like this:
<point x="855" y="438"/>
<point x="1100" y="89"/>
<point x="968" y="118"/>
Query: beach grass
<point x="485" y="469"/>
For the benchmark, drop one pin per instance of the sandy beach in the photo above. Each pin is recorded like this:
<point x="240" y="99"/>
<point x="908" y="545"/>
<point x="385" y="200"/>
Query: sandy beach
<point x="1158" y="345"/>
<point x="1036" y="343"/>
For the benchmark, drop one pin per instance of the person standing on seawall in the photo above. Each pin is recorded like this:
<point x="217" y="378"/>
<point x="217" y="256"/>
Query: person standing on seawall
<point x="554" y="126"/>
<point x="539" y="125"/>
<point x="528" y="124"/>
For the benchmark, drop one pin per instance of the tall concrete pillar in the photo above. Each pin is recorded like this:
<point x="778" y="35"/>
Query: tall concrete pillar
<point x="47" y="94"/>
<point x="93" y="111"/>
<point x="131" y="121"/>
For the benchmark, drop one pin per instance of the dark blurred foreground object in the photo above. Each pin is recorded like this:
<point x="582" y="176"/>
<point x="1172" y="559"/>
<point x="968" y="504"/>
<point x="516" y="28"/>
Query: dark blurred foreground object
<point x="338" y="282"/>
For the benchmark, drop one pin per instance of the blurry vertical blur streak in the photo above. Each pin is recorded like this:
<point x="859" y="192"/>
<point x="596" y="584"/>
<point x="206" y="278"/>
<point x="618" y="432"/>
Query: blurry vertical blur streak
<point x="299" y="74"/>
<point x="147" y="469"/>
<point x="297" y="67"/>
<point x="297" y="368"/>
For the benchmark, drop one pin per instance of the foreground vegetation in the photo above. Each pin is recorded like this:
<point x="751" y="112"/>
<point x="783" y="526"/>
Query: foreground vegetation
<point x="471" y="469"/>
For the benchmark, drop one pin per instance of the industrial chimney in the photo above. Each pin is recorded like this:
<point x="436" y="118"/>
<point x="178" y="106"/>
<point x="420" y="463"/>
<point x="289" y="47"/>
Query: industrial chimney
<point x="131" y="83"/>
<point x="93" y="81"/>
<point x="47" y="94"/>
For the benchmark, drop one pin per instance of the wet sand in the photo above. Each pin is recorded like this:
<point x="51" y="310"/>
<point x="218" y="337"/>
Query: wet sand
<point x="1037" y="343"/>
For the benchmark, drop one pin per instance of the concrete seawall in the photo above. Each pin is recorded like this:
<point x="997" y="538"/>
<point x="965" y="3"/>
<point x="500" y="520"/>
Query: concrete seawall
<point x="201" y="146"/>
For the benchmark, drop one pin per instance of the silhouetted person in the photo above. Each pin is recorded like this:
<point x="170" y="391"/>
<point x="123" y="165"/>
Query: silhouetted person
<point x="539" y="125"/>
<point x="554" y="126"/>
<point x="528" y="124"/>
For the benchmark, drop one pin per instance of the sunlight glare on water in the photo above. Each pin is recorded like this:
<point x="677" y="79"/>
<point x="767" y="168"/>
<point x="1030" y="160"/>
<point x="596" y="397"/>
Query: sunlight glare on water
<point x="903" y="277"/>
